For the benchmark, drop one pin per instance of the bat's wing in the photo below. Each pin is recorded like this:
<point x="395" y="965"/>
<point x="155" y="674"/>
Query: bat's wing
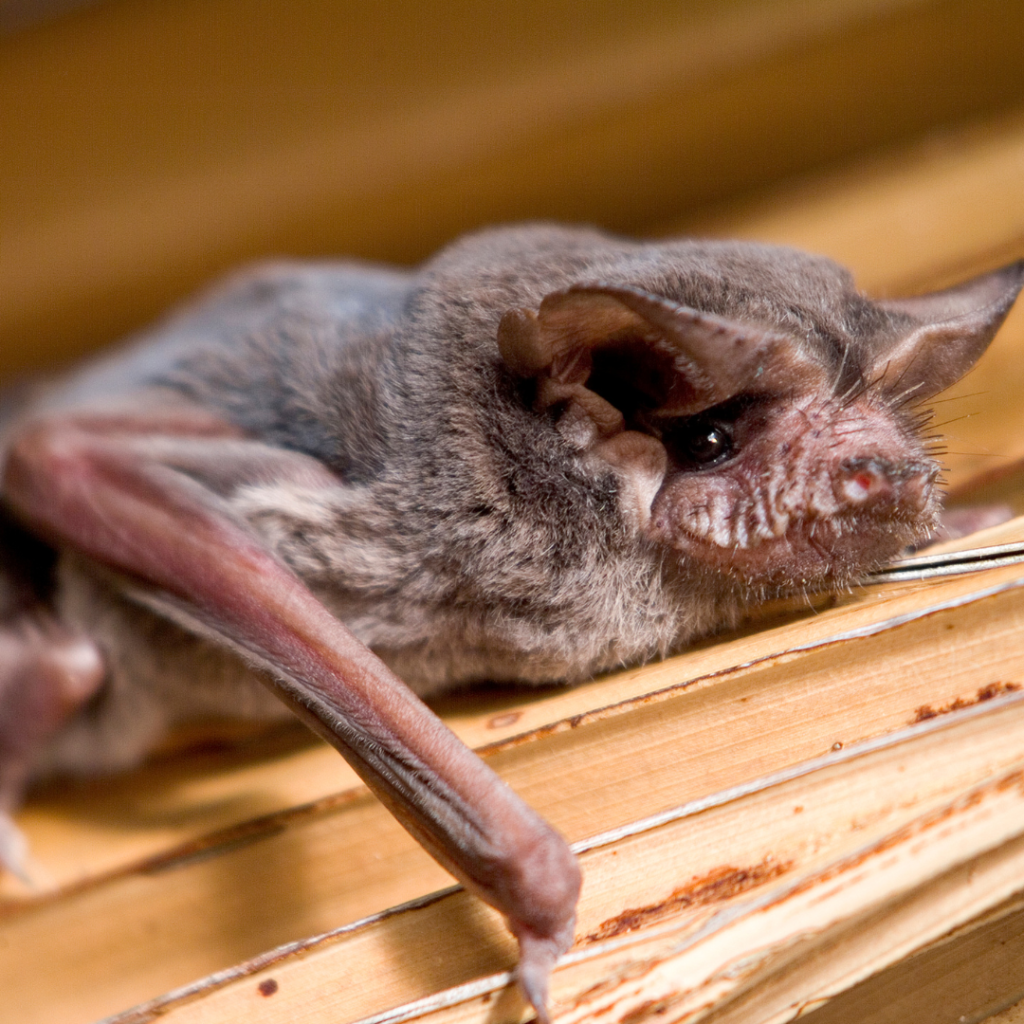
<point x="140" y="492"/>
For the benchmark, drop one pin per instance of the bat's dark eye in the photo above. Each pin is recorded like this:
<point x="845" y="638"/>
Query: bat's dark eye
<point x="709" y="444"/>
<point x="701" y="442"/>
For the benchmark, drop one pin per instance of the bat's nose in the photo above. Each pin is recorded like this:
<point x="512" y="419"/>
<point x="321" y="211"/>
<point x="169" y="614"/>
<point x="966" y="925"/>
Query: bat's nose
<point x="877" y="482"/>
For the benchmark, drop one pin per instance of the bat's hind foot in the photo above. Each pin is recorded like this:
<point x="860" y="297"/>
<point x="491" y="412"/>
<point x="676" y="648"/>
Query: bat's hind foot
<point x="47" y="672"/>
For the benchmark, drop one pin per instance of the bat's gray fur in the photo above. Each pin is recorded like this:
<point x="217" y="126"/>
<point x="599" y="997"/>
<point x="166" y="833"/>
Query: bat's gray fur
<point x="469" y="534"/>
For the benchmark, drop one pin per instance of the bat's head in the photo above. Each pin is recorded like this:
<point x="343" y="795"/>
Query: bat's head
<point x="777" y="442"/>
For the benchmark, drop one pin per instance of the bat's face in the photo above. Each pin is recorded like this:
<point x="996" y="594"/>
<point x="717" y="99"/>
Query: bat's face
<point x="794" y="494"/>
<point x="777" y="444"/>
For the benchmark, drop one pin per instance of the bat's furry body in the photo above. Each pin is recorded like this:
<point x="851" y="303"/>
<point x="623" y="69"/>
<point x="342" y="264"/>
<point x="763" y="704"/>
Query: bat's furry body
<point x="480" y="516"/>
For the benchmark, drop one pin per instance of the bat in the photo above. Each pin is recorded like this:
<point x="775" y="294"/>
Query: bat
<point x="545" y="453"/>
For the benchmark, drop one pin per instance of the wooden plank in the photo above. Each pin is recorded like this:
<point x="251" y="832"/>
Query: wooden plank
<point x="1012" y="1015"/>
<point x="836" y="860"/>
<point x="972" y="974"/>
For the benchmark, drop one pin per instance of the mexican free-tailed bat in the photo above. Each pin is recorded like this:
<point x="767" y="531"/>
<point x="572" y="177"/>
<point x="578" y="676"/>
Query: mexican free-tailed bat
<point x="545" y="453"/>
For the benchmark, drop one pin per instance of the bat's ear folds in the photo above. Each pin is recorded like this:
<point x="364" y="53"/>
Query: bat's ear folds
<point x="643" y="353"/>
<point x="940" y="336"/>
<point x="597" y="366"/>
<point x="560" y="367"/>
<point x="611" y="363"/>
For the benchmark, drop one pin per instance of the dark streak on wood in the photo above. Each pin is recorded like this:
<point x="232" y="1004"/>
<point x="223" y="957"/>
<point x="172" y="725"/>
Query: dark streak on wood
<point x="716" y="886"/>
<point x="997" y="689"/>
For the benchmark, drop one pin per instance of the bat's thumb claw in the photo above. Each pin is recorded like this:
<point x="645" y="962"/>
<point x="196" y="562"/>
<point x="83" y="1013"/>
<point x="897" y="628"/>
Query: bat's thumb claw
<point x="537" y="957"/>
<point x="13" y="849"/>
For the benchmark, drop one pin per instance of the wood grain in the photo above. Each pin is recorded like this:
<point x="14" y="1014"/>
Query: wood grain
<point x="844" y="851"/>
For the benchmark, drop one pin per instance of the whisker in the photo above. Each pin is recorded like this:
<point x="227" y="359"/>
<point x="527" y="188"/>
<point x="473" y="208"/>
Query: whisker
<point x="905" y="397"/>
<point x="839" y="372"/>
<point x="957" y="398"/>
<point x="956" y="419"/>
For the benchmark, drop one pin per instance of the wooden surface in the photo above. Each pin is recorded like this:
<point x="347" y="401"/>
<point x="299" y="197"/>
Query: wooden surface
<point x="804" y="762"/>
<point x="957" y="979"/>
<point x="822" y="884"/>
<point x="1011" y="1015"/>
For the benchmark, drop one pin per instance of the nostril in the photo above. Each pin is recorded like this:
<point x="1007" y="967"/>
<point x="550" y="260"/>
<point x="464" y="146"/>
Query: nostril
<point x="865" y="481"/>
<point x="859" y="485"/>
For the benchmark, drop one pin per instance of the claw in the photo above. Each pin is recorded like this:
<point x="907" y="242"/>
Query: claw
<point x="47" y="672"/>
<point x="14" y="850"/>
<point x="537" y="958"/>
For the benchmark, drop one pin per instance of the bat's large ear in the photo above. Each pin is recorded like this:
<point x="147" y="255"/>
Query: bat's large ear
<point x="946" y="332"/>
<point x="638" y="352"/>
<point x="616" y="362"/>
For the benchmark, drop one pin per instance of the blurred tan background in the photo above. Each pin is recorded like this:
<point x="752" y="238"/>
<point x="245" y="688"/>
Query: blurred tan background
<point x="145" y="145"/>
